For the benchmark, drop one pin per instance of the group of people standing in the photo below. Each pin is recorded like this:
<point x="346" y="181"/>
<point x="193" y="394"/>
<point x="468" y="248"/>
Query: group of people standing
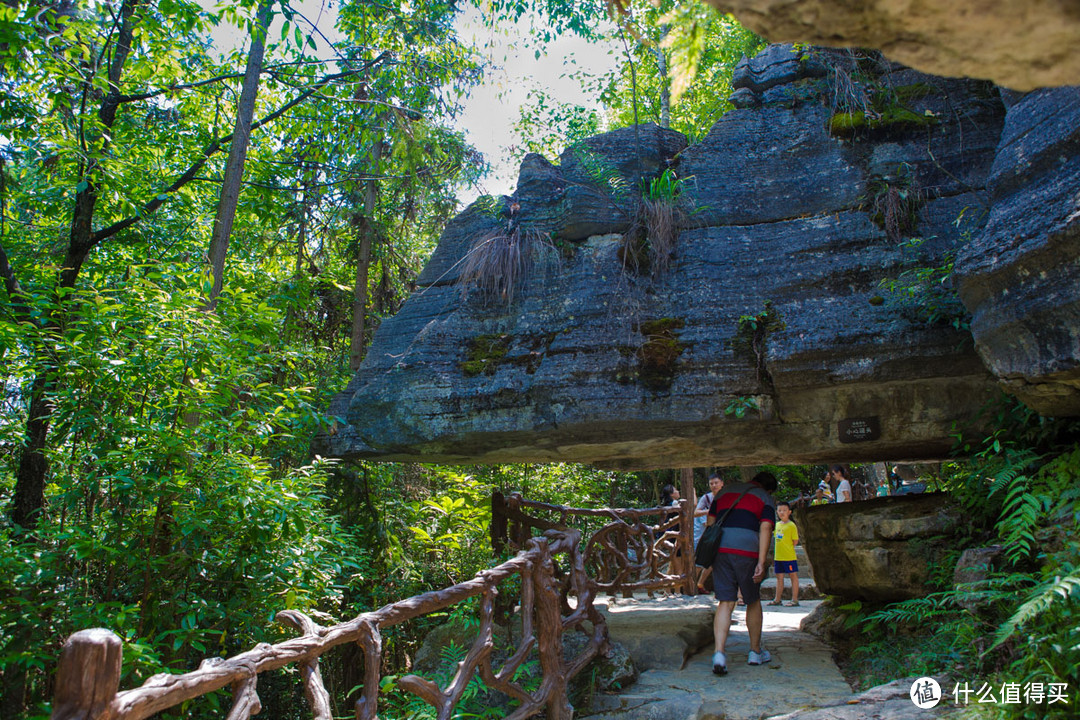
<point x="753" y="525"/>
<point x="835" y="487"/>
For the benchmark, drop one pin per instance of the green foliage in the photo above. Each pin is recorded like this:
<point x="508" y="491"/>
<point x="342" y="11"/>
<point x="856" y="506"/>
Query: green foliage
<point x="864" y="104"/>
<point x="666" y="188"/>
<point x="1019" y="624"/>
<point x="600" y="171"/>
<point x="739" y="406"/>
<point x="547" y="126"/>
<point x="182" y="504"/>
<point x="752" y="338"/>
<point x="179" y="515"/>
<point x="700" y="48"/>
<point x="926" y="291"/>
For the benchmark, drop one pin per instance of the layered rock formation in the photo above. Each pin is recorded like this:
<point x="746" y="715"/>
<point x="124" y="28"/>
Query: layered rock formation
<point x="879" y="550"/>
<point x="1020" y="276"/>
<point x="1019" y="45"/>
<point x="791" y="323"/>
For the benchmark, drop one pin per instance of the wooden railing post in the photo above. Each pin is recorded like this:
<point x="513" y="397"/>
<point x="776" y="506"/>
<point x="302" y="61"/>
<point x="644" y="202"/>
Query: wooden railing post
<point x="686" y="531"/>
<point x="314" y="690"/>
<point x="88" y="675"/>
<point x="549" y="635"/>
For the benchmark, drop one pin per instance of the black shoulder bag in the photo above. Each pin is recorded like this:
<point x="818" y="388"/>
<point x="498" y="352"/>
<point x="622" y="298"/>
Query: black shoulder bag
<point x="709" y="543"/>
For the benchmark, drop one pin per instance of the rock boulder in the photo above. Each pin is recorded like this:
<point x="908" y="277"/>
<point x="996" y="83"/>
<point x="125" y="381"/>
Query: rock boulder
<point x="1020" y="276"/>
<point x="1020" y="45"/>
<point x="879" y="550"/>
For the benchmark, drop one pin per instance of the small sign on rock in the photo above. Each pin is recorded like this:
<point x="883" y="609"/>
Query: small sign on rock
<point x="852" y="430"/>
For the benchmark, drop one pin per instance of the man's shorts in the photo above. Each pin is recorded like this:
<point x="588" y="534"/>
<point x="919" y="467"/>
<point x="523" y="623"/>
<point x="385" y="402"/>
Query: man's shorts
<point x="732" y="573"/>
<point x="785" y="566"/>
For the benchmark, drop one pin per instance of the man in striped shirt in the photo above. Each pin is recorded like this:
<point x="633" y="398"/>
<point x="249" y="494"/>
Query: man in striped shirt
<point x="741" y="560"/>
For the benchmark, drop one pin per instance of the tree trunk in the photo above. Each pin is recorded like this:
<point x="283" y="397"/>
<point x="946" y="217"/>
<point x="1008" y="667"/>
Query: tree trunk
<point x="234" y="166"/>
<point x="665" y="85"/>
<point x="29" y="494"/>
<point x="363" y="260"/>
<point x="686" y="529"/>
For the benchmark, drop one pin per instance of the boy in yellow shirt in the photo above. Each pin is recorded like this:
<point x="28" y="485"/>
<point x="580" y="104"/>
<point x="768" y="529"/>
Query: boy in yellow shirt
<point x="786" y="537"/>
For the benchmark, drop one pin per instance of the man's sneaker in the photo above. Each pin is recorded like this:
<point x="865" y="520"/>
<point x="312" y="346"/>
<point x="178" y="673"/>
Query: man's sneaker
<point x="719" y="663"/>
<point x="755" y="658"/>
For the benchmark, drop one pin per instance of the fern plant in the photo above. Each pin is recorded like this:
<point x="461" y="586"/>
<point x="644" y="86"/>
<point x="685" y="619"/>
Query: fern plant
<point x="1021" y="622"/>
<point x="1059" y="589"/>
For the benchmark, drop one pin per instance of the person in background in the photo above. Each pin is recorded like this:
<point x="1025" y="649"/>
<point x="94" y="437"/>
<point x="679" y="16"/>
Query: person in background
<point x="786" y="536"/>
<point x="838" y="476"/>
<point x="669" y="495"/>
<point x="883" y="488"/>
<point x="747" y="513"/>
<point x="823" y="495"/>
<point x="716" y="484"/>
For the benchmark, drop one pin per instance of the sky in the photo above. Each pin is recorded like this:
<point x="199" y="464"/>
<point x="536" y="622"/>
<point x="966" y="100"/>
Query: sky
<point x="493" y="107"/>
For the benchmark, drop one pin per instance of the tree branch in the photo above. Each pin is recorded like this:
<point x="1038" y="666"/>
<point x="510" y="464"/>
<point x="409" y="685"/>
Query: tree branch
<point x="268" y="70"/>
<point x="172" y="88"/>
<point x="208" y="152"/>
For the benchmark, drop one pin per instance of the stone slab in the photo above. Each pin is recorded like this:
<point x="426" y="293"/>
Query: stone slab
<point x="801" y="674"/>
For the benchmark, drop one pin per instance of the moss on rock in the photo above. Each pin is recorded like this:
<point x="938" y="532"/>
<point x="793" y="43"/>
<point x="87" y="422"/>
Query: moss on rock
<point x="484" y="354"/>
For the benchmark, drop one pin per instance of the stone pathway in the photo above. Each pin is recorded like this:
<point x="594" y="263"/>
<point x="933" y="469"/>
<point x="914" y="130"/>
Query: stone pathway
<point x="658" y="633"/>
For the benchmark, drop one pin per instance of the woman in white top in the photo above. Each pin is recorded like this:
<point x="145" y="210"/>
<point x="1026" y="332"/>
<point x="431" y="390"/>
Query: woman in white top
<point x="843" y="486"/>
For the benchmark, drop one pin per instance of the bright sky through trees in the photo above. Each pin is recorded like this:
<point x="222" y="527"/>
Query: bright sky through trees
<point x="492" y="108"/>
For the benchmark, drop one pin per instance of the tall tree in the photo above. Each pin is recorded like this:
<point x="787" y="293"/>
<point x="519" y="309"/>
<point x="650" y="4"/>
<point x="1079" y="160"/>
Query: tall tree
<point x="29" y="493"/>
<point x="234" y="166"/>
<point x="58" y="72"/>
<point x="183" y="536"/>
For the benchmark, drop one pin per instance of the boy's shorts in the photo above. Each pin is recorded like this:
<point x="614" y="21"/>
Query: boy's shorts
<point x="785" y="567"/>
<point x="732" y="573"/>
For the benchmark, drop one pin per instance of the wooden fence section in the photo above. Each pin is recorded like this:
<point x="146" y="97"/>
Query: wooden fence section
<point x="628" y="551"/>
<point x="88" y="676"/>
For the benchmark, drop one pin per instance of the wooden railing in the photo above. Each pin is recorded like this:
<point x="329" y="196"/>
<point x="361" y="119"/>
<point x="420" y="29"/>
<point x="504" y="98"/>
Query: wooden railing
<point x="88" y="676"/>
<point x="628" y="550"/>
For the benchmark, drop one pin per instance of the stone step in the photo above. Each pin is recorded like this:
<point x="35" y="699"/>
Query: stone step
<point x="808" y="589"/>
<point x="670" y="642"/>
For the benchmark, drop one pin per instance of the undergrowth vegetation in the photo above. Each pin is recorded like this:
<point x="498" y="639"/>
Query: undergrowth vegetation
<point x="1013" y="618"/>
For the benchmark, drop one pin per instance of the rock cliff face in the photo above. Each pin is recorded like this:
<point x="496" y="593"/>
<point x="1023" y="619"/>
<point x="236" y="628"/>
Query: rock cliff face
<point x="1019" y="45"/>
<point x="786" y="326"/>
<point x="1020" y="276"/>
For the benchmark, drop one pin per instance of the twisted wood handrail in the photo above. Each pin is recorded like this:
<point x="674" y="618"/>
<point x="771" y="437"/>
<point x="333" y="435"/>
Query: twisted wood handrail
<point x="638" y="549"/>
<point x="88" y="676"/>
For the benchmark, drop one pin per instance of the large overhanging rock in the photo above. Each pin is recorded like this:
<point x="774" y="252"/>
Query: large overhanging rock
<point x="772" y="337"/>
<point x="1020" y="45"/>
<point x="1020" y="277"/>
